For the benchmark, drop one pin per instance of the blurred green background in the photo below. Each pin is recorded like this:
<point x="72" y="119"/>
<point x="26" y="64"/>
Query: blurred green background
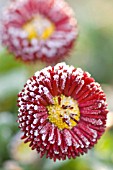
<point x="94" y="53"/>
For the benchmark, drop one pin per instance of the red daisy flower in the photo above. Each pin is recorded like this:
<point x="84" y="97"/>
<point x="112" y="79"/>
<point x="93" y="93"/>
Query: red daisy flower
<point x="39" y="29"/>
<point x="62" y="111"/>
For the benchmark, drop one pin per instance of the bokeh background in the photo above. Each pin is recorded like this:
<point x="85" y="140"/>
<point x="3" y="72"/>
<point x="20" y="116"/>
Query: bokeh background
<point x="94" y="53"/>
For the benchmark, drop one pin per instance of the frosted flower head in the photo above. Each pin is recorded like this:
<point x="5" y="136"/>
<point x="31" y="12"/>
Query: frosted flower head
<point x="39" y="30"/>
<point x="62" y="112"/>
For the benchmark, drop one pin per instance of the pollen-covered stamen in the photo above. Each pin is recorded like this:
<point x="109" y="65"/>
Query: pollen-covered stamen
<point x="39" y="27"/>
<point x="64" y="112"/>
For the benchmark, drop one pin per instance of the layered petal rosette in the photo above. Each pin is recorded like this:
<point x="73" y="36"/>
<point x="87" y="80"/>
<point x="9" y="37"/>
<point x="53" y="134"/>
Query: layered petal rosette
<point x="62" y="112"/>
<point x="39" y="29"/>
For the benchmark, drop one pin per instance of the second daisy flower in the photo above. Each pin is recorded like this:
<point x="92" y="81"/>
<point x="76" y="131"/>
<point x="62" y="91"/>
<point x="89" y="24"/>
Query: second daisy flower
<point x="39" y="30"/>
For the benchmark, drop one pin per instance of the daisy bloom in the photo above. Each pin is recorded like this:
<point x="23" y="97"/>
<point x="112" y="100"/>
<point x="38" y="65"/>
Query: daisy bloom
<point x="21" y="152"/>
<point x="39" y="30"/>
<point x="11" y="165"/>
<point x="62" y="112"/>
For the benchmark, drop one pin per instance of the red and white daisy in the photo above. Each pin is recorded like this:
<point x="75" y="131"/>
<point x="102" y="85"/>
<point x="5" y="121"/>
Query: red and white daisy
<point x="39" y="29"/>
<point x="62" y="111"/>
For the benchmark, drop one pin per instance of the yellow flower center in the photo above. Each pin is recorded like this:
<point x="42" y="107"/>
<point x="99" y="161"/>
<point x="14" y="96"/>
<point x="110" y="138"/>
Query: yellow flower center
<point x="64" y="112"/>
<point x="39" y="27"/>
